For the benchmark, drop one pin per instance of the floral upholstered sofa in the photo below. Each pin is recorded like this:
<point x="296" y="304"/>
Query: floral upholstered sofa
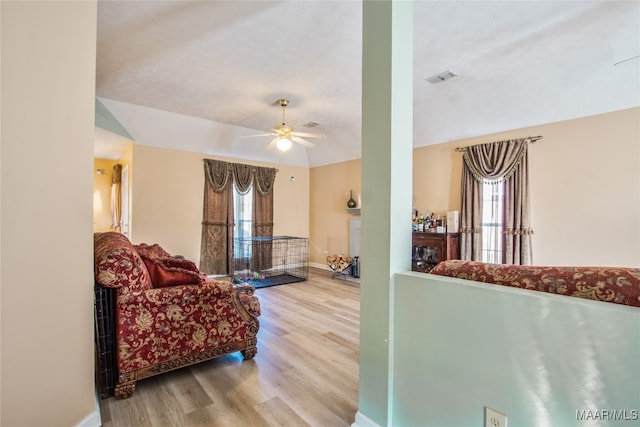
<point x="620" y="285"/>
<point x="167" y="313"/>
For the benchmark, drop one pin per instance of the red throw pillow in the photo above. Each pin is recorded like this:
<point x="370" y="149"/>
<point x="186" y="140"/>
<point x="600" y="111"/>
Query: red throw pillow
<point x="172" y="272"/>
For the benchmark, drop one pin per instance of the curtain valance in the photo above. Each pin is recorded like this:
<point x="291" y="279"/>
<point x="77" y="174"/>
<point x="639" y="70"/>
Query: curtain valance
<point x="116" y="177"/>
<point x="219" y="174"/>
<point x="496" y="161"/>
<point x="242" y="177"/>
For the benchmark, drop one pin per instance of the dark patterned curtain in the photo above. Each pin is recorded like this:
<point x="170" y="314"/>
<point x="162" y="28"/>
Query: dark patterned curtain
<point x="263" y="218"/>
<point x="499" y="162"/>
<point x="517" y="231"/>
<point x="216" y="252"/>
<point x="116" y="198"/>
<point x="470" y="217"/>
<point x="216" y="248"/>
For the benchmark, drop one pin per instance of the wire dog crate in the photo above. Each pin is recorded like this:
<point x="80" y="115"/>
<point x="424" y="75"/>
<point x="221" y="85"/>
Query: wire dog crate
<point x="268" y="261"/>
<point x="105" y="340"/>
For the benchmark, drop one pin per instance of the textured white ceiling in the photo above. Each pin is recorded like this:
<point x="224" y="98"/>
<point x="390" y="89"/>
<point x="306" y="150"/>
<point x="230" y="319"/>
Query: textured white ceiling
<point x="519" y="63"/>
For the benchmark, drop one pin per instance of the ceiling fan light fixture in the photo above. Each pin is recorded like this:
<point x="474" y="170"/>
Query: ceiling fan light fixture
<point x="285" y="136"/>
<point x="283" y="144"/>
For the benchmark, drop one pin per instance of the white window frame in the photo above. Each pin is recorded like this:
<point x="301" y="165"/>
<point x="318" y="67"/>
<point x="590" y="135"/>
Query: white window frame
<point x="242" y="222"/>
<point x="492" y="222"/>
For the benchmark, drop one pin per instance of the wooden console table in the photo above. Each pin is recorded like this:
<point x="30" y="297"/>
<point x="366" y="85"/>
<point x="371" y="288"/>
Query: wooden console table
<point x="431" y="248"/>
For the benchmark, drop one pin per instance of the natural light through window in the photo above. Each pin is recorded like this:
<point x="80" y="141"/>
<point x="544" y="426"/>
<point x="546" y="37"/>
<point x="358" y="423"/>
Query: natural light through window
<point x="492" y="222"/>
<point x="243" y="213"/>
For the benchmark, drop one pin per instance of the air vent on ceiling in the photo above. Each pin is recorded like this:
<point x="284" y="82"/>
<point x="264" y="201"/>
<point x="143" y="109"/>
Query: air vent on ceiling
<point x="439" y="78"/>
<point x="311" y="124"/>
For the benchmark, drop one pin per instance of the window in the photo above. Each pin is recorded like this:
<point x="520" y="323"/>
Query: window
<point x="492" y="222"/>
<point x="243" y="213"/>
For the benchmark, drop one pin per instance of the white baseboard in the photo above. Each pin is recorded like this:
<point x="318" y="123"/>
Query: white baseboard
<point x="320" y="266"/>
<point x="363" y="421"/>
<point x="93" y="419"/>
<point x="325" y="269"/>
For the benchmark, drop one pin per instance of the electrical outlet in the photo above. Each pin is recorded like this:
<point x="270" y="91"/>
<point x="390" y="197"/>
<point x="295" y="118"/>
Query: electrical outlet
<point x="493" y="418"/>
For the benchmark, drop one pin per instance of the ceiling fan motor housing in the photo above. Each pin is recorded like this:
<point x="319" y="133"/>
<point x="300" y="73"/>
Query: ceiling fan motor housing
<point x="283" y="129"/>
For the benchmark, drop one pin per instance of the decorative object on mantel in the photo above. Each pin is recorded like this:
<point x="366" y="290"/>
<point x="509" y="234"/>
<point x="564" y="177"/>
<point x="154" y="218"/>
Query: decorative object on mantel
<point x="339" y="263"/>
<point x="351" y="203"/>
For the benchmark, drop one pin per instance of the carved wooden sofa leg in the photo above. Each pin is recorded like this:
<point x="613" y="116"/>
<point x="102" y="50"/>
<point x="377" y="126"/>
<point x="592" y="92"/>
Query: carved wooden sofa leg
<point x="124" y="391"/>
<point x="251" y="349"/>
<point x="249" y="353"/>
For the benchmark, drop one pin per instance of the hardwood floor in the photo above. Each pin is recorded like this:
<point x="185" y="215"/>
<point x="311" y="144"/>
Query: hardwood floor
<point x="305" y="372"/>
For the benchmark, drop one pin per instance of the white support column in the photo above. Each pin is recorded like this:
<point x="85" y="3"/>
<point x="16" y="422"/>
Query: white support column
<point x="387" y="144"/>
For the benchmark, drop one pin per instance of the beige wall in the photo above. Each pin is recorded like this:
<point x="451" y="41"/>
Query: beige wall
<point x="437" y="171"/>
<point x="127" y="160"/>
<point x="48" y="92"/>
<point x="585" y="190"/>
<point x="167" y="193"/>
<point x="329" y="219"/>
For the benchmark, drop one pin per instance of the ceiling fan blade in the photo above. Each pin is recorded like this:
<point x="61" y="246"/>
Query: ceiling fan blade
<point x="272" y="144"/>
<point x="302" y="141"/>
<point x="310" y="135"/>
<point x="261" y="134"/>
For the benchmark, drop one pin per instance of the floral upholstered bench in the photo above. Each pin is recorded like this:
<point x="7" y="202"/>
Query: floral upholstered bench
<point x="620" y="285"/>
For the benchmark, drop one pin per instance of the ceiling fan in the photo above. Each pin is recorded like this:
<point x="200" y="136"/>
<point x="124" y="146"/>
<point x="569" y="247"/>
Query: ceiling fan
<point x="285" y="136"/>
